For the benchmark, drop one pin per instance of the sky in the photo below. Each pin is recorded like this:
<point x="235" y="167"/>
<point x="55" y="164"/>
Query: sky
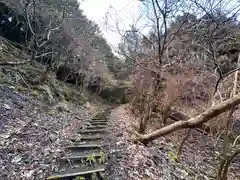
<point x="119" y="11"/>
<point x="125" y="12"/>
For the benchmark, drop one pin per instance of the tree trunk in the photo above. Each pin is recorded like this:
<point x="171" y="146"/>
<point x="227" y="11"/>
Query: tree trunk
<point x="143" y="124"/>
<point x="192" y="122"/>
<point x="145" y="118"/>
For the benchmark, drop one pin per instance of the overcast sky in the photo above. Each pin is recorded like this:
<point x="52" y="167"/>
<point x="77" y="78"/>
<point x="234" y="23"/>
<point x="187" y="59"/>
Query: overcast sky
<point x="124" y="10"/>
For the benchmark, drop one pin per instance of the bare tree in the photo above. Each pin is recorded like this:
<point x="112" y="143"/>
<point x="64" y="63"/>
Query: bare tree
<point x="207" y="32"/>
<point x="149" y="55"/>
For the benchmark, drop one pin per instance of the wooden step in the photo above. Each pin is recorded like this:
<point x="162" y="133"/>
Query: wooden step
<point x="100" y="116"/>
<point x="78" y="171"/>
<point x="99" y="120"/>
<point x="96" y="127"/>
<point x="83" y="153"/>
<point x="98" y="123"/>
<point x="88" y="131"/>
<point x="86" y="146"/>
<point x="91" y="137"/>
<point x="77" y="156"/>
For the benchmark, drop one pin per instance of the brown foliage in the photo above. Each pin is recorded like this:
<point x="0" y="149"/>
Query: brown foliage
<point x="167" y="100"/>
<point x="148" y="101"/>
<point x="193" y="122"/>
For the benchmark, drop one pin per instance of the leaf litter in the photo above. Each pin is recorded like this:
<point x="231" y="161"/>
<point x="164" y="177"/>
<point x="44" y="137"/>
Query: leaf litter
<point x="32" y="137"/>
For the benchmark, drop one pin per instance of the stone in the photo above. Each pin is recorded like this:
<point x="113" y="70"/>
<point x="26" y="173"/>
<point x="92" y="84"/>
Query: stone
<point x="6" y="106"/>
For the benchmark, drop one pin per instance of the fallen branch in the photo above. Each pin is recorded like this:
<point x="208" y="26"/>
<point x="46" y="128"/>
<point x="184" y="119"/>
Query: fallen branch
<point x="235" y="141"/>
<point x="192" y="122"/>
<point x="20" y="74"/>
<point x="20" y="45"/>
<point x="14" y="63"/>
<point x="42" y="55"/>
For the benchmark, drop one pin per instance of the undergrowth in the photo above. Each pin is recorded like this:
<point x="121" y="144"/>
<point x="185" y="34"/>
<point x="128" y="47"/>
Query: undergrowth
<point x="27" y="78"/>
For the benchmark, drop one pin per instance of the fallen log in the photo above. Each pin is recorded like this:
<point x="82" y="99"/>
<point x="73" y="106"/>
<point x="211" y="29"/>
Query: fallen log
<point x="192" y="122"/>
<point x="179" y="116"/>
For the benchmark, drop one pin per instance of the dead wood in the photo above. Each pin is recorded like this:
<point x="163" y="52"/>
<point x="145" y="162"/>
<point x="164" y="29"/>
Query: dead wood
<point x="192" y="122"/>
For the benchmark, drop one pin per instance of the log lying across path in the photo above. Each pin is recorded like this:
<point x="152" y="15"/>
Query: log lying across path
<point x="179" y="116"/>
<point x="193" y="122"/>
<point x="87" y="158"/>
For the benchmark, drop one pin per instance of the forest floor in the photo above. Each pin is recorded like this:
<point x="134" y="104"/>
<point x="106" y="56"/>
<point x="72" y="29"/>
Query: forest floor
<point x="33" y="134"/>
<point x="131" y="160"/>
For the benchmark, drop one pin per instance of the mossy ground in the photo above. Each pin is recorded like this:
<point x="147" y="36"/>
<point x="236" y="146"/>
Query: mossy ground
<point x="27" y="78"/>
<point x="52" y="92"/>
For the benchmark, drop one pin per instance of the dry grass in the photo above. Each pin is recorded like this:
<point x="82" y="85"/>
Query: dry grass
<point x="170" y="97"/>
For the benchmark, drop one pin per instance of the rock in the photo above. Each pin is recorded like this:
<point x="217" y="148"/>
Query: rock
<point x="16" y="159"/>
<point x="88" y="105"/>
<point x="6" y="106"/>
<point x="28" y="174"/>
<point x="52" y="137"/>
<point x="63" y="106"/>
<point x="4" y="136"/>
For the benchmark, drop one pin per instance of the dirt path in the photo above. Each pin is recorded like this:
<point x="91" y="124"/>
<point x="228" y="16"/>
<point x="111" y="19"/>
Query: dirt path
<point x="130" y="160"/>
<point x="33" y="138"/>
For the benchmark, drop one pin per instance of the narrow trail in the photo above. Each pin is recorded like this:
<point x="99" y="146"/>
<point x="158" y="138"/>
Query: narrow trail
<point x="87" y="157"/>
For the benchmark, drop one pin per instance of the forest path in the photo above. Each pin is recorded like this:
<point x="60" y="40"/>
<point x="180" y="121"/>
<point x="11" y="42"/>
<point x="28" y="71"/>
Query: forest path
<point x="86" y="159"/>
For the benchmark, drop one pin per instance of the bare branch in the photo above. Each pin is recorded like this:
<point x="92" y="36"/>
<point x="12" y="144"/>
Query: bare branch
<point x="145" y="37"/>
<point x="179" y="152"/>
<point x="222" y="77"/>
<point x="175" y="33"/>
<point x="14" y="63"/>
<point x="158" y="32"/>
<point x="164" y="16"/>
<point x="222" y="173"/>
<point x="42" y="55"/>
<point x="28" y="19"/>
<point x="235" y="141"/>
<point x="192" y="122"/>
<point x="48" y="36"/>
<point x="135" y="61"/>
